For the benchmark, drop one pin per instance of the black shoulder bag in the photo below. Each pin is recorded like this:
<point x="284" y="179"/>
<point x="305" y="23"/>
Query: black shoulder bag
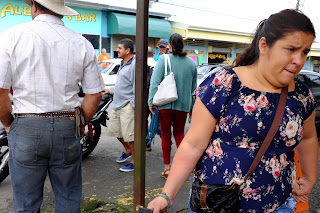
<point x="220" y="198"/>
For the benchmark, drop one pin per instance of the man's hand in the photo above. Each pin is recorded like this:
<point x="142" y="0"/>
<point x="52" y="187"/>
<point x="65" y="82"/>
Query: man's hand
<point x="7" y="128"/>
<point x="105" y="91"/>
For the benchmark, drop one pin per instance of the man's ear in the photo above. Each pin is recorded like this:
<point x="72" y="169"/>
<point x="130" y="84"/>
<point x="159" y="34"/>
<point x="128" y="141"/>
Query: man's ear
<point x="34" y="6"/>
<point x="263" y="46"/>
<point x="128" y="51"/>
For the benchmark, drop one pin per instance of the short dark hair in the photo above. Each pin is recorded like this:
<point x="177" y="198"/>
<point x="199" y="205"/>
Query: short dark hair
<point x="176" y="42"/>
<point x="276" y="27"/>
<point x="127" y="43"/>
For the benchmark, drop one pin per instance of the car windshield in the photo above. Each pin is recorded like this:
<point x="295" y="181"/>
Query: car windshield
<point x="202" y="71"/>
<point x="105" y="66"/>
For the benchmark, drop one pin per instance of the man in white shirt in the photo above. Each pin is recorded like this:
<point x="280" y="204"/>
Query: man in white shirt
<point x="43" y="61"/>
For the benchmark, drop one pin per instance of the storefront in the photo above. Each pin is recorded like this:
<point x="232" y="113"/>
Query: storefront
<point x="120" y="25"/>
<point x="102" y="27"/>
<point x="88" y="22"/>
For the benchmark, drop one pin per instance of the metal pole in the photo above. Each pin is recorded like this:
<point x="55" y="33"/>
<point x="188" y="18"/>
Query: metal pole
<point x="140" y="130"/>
<point x="298" y="4"/>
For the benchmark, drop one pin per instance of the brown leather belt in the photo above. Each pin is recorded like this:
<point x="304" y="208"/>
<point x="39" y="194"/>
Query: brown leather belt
<point x="61" y="114"/>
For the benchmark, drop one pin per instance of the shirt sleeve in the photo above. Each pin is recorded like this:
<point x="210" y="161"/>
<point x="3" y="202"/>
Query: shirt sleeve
<point x="133" y="76"/>
<point x="92" y="81"/>
<point x="5" y="63"/>
<point x="215" y="90"/>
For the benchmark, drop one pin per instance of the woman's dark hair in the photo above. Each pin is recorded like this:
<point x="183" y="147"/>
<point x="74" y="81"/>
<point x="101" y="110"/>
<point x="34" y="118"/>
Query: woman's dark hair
<point x="276" y="27"/>
<point x="176" y="42"/>
<point x="127" y="43"/>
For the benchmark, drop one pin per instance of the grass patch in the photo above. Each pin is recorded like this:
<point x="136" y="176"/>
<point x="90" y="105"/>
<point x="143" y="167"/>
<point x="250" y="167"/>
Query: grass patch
<point x="92" y="205"/>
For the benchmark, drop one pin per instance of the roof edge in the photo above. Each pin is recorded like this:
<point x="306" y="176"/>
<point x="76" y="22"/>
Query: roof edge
<point x="99" y="6"/>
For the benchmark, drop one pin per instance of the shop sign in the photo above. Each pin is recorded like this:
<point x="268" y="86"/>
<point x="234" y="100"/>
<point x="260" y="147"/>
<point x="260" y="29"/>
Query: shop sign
<point x="83" y="17"/>
<point x="26" y="11"/>
<point x="15" y="10"/>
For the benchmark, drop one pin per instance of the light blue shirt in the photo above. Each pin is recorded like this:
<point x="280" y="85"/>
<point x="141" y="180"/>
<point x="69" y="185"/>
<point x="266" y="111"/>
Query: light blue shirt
<point x="124" y="89"/>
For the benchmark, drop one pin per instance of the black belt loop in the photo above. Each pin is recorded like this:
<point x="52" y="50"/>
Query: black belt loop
<point x="51" y="118"/>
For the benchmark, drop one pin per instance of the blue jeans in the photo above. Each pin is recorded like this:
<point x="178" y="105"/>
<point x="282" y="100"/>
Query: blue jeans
<point x="39" y="146"/>
<point x="288" y="207"/>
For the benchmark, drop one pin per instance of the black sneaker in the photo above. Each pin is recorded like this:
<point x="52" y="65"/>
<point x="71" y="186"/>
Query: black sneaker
<point x="148" y="147"/>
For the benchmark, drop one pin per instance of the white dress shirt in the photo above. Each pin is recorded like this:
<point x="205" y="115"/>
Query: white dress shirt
<point x="43" y="61"/>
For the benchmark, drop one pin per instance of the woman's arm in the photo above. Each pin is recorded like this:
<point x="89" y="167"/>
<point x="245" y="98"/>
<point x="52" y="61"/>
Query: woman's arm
<point x="307" y="152"/>
<point x="188" y="153"/>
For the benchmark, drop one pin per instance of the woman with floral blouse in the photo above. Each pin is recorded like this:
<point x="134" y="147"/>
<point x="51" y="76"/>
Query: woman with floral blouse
<point x="233" y="112"/>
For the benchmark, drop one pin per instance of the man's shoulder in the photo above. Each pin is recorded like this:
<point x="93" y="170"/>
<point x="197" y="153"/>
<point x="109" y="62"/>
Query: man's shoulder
<point x="16" y="29"/>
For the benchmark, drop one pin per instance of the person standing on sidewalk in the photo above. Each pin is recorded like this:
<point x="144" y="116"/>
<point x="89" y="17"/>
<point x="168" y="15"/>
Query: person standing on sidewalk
<point x="233" y="113"/>
<point x="121" y="123"/>
<point x="175" y="113"/>
<point x="163" y="49"/>
<point x="151" y="65"/>
<point x="43" y="61"/>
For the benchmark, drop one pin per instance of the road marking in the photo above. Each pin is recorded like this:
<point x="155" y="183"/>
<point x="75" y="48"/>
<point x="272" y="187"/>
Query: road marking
<point x="126" y="198"/>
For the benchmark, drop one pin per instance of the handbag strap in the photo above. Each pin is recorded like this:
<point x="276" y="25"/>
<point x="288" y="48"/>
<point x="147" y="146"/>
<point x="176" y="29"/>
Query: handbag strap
<point x="272" y="131"/>
<point x="203" y="196"/>
<point x="166" y="63"/>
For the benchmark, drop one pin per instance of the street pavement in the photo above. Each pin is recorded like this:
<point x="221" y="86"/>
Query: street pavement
<point x="102" y="180"/>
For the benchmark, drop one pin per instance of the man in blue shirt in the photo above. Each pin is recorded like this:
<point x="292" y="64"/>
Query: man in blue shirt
<point x="163" y="48"/>
<point x="121" y="122"/>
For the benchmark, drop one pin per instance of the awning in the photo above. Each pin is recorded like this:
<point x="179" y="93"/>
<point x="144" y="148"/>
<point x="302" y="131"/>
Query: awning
<point x="126" y="24"/>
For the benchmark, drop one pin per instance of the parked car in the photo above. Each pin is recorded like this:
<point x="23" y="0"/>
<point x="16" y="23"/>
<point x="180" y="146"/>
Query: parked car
<point x="310" y="78"/>
<point x="205" y="69"/>
<point x="109" y="74"/>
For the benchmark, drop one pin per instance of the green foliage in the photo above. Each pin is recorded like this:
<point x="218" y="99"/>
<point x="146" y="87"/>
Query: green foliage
<point x="93" y="205"/>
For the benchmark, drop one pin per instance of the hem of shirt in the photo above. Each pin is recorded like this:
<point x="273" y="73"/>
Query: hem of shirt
<point x="122" y="105"/>
<point x="93" y="90"/>
<point x="5" y="85"/>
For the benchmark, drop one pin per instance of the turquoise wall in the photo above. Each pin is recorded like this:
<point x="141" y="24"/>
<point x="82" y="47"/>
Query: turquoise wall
<point x="15" y="12"/>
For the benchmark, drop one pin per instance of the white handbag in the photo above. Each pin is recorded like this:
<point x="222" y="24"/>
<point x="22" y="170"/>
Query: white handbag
<point x="167" y="90"/>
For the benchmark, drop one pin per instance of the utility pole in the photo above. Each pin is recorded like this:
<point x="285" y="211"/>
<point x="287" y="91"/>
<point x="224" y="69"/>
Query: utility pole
<point x="140" y="121"/>
<point x="298" y="4"/>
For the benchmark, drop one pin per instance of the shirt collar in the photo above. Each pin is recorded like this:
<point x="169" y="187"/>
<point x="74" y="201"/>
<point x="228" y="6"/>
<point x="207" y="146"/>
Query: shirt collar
<point x="48" y="18"/>
<point x="128" y="62"/>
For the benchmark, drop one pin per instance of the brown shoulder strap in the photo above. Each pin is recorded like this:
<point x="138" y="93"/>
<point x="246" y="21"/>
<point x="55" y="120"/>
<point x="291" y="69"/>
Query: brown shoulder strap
<point x="203" y="196"/>
<point x="272" y="131"/>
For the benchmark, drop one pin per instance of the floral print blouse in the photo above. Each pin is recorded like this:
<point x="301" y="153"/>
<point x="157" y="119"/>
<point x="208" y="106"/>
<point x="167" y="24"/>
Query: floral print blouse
<point x="244" y="118"/>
